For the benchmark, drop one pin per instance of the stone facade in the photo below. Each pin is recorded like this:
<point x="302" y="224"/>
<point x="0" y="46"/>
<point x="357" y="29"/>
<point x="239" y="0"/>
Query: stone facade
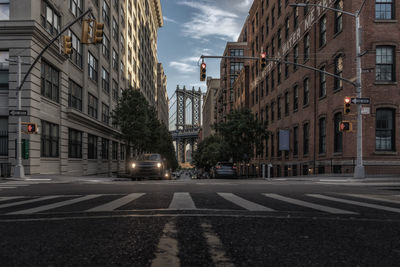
<point x="209" y="107"/>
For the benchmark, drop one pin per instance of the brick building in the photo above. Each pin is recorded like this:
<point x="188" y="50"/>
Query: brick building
<point x="306" y="105"/>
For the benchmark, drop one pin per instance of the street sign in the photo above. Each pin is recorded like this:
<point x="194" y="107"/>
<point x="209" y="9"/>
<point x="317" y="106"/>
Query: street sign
<point x="18" y="112"/>
<point x="360" y="100"/>
<point x="365" y="110"/>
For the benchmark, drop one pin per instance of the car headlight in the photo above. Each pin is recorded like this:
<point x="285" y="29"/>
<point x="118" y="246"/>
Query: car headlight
<point x="166" y="175"/>
<point x="159" y="165"/>
<point x="133" y="165"/>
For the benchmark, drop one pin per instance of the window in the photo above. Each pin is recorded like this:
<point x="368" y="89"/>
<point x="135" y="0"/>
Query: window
<point x="338" y="135"/>
<point x="122" y="70"/>
<point x="273" y="17"/>
<point x="4" y="9"/>
<point x="115" y="60"/>
<point x="295" y="98"/>
<point x="122" y="18"/>
<point x="272" y="80"/>
<point x="266" y="115"/>
<point x="286" y="67"/>
<point x="322" y="83"/>
<point x="279" y="39"/>
<point x="49" y="140"/>
<point x="105" y="114"/>
<point x="92" y="106"/>
<point x="105" y="48"/>
<point x="49" y="82"/>
<point x="115" y="30"/>
<point x="338" y="72"/>
<point x="92" y="66"/>
<point x="92" y="146"/>
<point x="306" y="47"/>
<point x="273" y="46"/>
<point x="322" y="135"/>
<point x="76" y="7"/>
<point x="287" y="28"/>
<point x="122" y="40"/>
<point x="115" y="5"/>
<point x="385" y="130"/>
<point x="75" y="95"/>
<point x="105" y="80"/>
<point x="106" y="13"/>
<point x="76" y="55"/>
<point x="104" y="148"/>
<point x="3" y="136"/>
<point x="384" y="9"/>
<point x="122" y="152"/>
<point x="306" y="91"/>
<point x="267" y="26"/>
<point x="266" y="147"/>
<point x="279" y="108"/>
<point x="287" y="103"/>
<point x="266" y="85"/>
<point x="385" y="63"/>
<point x="295" y="141"/>
<point x="4" y="70"/>
<point x="338" y="16"/>
<point x="74" y="144"/>
<point x="114" y="150"/>
<point x="49" y="18"/>
<point x="272" y="146"/>
<point x="306" y="131"/>
<point x="272" y="111"/>
<point x="295" y="56"/>
<point x="322" y="31"/>
<point x="295" y="17"/>
<point x="279" y="68"/>
<point x="115" y="90"/>
<point x="236" y="52"/>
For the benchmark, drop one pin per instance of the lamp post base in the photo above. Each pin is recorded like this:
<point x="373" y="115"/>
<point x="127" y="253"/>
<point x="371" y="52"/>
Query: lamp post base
<point x="359" y="171"/>
<point x="19" y="171"/>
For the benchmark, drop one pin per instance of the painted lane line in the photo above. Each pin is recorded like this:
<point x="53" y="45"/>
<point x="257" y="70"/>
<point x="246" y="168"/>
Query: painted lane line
<point x="241" y="202"/>
<point x="117" y="203"/>
<point x="309" y="204"/>
<point x="357" y="203"/>
<point x="167" y="250"/>
<point x="54" y="205"/>
<point x="215" y="247"/>
<point x="374" y="197"/>
<point x="8" y="198"/>
<point x="27" y="201"/>
<point x="182" y="201"/>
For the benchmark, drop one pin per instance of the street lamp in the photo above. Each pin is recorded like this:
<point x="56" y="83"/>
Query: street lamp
<point x="359" y="171"/>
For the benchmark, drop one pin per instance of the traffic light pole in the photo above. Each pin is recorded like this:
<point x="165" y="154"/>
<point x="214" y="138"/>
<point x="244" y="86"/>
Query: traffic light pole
<point x="19" y="168"/>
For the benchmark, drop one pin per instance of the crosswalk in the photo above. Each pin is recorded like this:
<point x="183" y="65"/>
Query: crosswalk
<point x="20" y="184"/>
<point x="336" y="204"/>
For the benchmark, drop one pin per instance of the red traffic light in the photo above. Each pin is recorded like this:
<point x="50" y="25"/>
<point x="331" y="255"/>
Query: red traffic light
<point x="203" y="65"/>
<point x="263" y="55"/>
<point x="31" y="128"/>
<point x="347" y="100"/>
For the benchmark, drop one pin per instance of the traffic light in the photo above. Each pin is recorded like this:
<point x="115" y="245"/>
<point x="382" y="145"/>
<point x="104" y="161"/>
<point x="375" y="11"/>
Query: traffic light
<point x="345" y="126"/>
<point x="98" y="33"/>
<point x="67" y="40"/>
<point x="85" y="31"/>
<point x="347" y="103"/>
<point x="263" y="61"/>
<point x="203" y="71"/>
<point x="31" y="128"/>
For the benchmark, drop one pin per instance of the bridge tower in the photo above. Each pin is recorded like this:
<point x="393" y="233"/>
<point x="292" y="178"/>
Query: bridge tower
<point x="186" y="133"/>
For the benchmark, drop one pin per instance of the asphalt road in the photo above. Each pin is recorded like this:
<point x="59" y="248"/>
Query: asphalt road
<point x="199" y="223"/>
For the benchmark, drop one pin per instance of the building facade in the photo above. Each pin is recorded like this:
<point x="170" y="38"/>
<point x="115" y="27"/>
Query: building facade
<point x="209" y="107"/>
<point x="71" y="98"/>
<point x="162" y="96"/>
<point x="303" y="107"/>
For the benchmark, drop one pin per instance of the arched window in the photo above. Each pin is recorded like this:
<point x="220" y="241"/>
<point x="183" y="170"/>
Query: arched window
<point x="385" y="130"/>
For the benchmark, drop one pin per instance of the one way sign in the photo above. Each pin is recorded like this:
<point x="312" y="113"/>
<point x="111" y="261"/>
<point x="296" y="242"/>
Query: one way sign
<point x="18" y="112"/>
<point x="360" y="100"/>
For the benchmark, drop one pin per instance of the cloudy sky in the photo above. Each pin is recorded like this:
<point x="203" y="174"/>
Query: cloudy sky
<point x="193" y="28"/>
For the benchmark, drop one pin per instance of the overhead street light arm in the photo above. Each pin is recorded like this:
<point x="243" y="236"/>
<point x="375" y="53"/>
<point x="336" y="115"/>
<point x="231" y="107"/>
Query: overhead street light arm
<point x="326" y="7"/>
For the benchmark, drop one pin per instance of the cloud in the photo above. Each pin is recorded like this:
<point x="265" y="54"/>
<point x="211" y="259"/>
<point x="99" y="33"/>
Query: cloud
<point x="182" y="67"/>
<point x="169" y="20"/>
<point x="214" y="19"/>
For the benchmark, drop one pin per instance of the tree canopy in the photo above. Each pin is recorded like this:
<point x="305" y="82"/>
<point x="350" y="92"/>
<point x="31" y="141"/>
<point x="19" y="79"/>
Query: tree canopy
<point x="141" y="128"/>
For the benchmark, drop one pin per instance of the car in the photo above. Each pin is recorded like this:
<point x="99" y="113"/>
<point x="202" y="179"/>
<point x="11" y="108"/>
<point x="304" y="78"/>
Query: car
<point x="148" y="166"/>
<point x="224" y="169"/>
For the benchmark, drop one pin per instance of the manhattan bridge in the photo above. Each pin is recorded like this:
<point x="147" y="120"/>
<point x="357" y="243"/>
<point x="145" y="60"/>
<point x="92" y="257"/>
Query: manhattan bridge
<point x="185" y="121"/>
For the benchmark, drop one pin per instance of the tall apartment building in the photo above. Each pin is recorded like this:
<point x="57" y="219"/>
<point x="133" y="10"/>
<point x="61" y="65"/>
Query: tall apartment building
<point x="209" y="107"/>
<point x="306" y="107"/>
<point x="71" y="97"/>
<point x="162" y="96"/>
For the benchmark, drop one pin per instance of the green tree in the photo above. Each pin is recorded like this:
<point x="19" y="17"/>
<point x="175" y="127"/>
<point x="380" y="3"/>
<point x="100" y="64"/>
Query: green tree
<point x="243" y="134"/>
<point x="209" y="151"/>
